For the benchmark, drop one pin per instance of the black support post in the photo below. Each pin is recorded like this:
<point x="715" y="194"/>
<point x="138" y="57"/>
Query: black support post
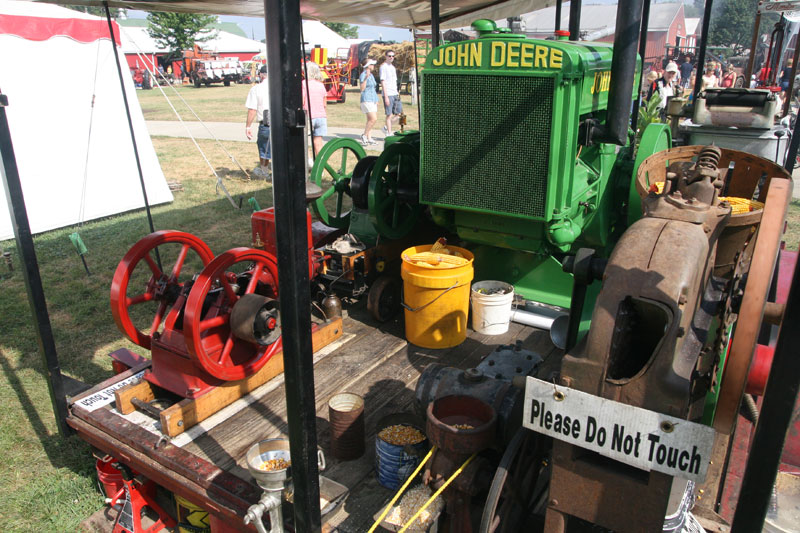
<point x="30" y="272"/>
<point x="558" y="15"/>
<point x="575" y="20"/>
<point x="288" y="164"/>
<point x="701" y="58"/>
<point x="642" y="51"/>
<point x="434" y="23"/>
<point x="623" y="67"/>
<point x="130" y="124"/>
<point x="774" y="421"/>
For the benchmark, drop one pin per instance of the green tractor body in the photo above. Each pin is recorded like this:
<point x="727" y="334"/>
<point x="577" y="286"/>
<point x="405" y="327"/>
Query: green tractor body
<point x="504" y="158"/>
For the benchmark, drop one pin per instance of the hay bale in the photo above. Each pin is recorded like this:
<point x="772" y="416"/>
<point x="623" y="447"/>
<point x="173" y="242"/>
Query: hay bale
<point x="404" y="55"/>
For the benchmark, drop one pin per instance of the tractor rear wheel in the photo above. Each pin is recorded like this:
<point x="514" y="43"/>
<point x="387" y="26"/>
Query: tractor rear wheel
<point x="196" y="82"/>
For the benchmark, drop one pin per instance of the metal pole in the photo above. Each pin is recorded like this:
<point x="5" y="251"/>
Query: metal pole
<point x="575" y="20"/>
<point x="130" y="123"/>
<point x="791" y="155"/>
<point x="701" y="58"/>
<point x="30" y="272"/>
<point x="774" y="420"/>
<point x="434" y="23"/>
<point x="642" y="51"/>
<point x="288" y="163"/>
<point x="558" y="15"/>
<point x="751" y="61"/>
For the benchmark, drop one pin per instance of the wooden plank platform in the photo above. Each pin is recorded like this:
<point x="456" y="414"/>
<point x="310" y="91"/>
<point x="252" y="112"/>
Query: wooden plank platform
<point x="206" y="463"/>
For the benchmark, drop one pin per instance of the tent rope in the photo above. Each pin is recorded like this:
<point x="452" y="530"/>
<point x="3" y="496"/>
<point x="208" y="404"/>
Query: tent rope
<point x="82" y="208"/>
<point x="219" y="184"/>
<point x="155" y="75"/>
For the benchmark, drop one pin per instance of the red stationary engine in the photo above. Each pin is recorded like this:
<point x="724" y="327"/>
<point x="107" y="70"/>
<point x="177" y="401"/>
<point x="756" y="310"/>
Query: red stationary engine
<point x="218" y="325"/>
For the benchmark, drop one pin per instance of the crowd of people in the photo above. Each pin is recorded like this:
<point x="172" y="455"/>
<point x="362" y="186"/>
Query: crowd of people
<point x="315" y="105"/>
<point x="679" y="80"/>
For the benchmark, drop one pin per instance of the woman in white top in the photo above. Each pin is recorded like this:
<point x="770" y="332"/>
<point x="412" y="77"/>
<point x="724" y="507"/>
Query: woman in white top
<point x="709" y="79"/>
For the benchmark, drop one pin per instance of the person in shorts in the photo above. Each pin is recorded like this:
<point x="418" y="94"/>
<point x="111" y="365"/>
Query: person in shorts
<point x="257" y="105"/>
<point x="314" y="89"/>
<point x="369" y="100"/>
<point x="391" y="96"/>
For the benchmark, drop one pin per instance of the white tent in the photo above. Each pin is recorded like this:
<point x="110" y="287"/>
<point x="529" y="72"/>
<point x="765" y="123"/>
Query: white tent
<point x="135" y="39"/>
<point x="67" y="119"/>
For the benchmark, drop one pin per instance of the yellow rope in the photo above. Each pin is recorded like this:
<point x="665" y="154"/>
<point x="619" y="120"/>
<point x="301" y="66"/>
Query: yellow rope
<point x="436" y="494"/>
<point x="400" y="492"/>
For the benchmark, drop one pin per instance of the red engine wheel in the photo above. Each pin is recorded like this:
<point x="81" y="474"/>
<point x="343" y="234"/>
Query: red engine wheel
<point x="210" y="337"/>
<point x="160" y="287"/>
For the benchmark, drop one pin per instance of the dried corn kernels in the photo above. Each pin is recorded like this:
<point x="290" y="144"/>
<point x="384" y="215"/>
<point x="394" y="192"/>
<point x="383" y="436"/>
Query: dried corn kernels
<point x="273" y="465"/>
<point x="401" y="435"/>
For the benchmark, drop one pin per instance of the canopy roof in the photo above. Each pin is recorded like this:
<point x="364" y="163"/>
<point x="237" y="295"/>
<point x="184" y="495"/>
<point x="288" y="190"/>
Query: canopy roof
<point x="396" y="13"/>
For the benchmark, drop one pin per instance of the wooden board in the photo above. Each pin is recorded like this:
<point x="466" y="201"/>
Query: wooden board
<point x="190" y="411"/>
<point x="186" y="413"/>
<point x="373" y="360"/>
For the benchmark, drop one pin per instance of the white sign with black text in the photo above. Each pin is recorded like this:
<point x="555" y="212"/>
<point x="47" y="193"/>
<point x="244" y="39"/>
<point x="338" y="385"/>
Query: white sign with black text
<point x="632" y="435"/>
<point x="106" y="396"/>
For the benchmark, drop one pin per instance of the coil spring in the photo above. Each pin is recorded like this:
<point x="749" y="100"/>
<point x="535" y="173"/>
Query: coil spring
<point x="709" y="157"/>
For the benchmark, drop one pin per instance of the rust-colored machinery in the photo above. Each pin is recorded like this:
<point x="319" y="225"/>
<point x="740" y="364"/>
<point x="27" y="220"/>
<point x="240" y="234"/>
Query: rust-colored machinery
<point x="664" y="339"/>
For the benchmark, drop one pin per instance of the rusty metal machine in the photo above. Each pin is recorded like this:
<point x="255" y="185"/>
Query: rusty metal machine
<point x="621" y="433"/>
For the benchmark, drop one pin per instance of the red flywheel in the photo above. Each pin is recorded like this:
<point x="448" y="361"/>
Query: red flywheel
<point x="162" y="286"/>
<point x="231" y="323"/>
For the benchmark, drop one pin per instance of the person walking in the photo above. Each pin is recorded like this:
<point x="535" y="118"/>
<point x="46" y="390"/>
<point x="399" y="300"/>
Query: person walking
<point x="369" y="100"/>
<point x="686" y="72"/>
<point x="257" y="105"/>
<point x="314" y="89"/>
<point x="391" y="96"/>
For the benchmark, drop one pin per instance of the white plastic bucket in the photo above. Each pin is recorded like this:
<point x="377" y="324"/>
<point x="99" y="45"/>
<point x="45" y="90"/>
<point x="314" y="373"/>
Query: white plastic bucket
<point x="491" y="312"/>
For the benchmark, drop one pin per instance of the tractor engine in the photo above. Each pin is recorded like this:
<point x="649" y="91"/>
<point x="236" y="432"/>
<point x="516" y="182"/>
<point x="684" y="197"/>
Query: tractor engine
<point x="528" y="178"/>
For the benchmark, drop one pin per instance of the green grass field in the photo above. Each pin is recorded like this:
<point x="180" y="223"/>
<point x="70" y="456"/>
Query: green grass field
<point x="218" y="103"/>
<point x="47" y="483"/>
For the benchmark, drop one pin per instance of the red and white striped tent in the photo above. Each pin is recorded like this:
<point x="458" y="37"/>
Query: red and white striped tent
<point x="71" y="137"/>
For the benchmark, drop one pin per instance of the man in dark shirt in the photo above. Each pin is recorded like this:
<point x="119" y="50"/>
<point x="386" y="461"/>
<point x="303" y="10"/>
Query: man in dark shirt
<point x="686" y="71"/>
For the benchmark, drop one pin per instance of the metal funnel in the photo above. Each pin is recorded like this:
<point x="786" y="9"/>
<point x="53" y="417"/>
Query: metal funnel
<point x="266" y="450"/>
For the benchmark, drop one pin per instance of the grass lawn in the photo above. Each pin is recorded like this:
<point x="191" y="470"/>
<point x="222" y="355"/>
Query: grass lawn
<point x="218" y="103"/>
<point x="47" y="484"/>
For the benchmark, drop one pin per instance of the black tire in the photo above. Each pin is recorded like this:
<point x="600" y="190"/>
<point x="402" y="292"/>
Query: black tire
<point x="343" y="96"/>
<point x="227" y="83"/>
<point x="207" y="82"/>
<point x="196" y="82"/>
<point x="383" y="300"/>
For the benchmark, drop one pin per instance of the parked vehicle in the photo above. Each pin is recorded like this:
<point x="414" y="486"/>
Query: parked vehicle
<point x="204" y="68"/>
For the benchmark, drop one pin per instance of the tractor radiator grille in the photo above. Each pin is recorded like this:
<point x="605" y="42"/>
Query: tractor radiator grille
<point x="486" y="142"/>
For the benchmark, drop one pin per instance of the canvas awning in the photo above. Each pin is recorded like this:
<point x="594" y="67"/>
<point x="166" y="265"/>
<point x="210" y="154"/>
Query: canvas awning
<point x="395" y="13"/>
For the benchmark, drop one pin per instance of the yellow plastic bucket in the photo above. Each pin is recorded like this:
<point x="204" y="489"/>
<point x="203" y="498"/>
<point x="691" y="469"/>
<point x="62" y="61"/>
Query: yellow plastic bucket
<point x="191" y="518"/>
<point x="436" y="300"/>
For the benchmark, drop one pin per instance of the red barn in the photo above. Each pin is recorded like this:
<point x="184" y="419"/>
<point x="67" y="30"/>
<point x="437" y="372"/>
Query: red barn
<point x="667" y="25"/>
